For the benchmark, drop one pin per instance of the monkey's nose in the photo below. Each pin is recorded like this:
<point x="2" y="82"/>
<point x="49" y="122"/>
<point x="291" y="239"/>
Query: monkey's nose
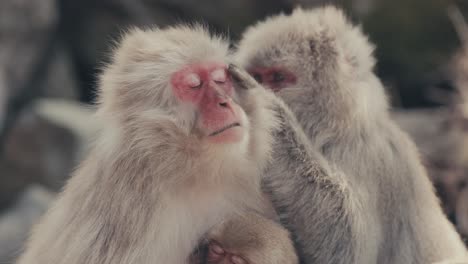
<point x="224" y="104"/>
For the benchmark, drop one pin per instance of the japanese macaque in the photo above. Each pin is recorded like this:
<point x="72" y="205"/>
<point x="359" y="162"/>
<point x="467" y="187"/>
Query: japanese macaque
<point x="249" y="239"/>
<point x="182" y="150"/>
<point x="379" y="206"/>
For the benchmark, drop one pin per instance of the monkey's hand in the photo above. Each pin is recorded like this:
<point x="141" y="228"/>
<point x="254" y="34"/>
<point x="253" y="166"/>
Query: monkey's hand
<point x="242" y="78"/>
<point x="250" y="239"/>
<point x="289" y="132"/>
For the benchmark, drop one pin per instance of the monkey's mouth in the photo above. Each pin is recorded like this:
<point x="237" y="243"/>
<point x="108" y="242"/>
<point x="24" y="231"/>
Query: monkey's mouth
<point x="217" y="132"/>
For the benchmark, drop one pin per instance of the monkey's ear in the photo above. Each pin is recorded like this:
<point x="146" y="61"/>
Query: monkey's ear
<point x="242" y="78"/>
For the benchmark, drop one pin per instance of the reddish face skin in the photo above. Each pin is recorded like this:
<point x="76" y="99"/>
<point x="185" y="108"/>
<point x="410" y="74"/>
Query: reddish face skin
<point x="209" y="88"/>
<point x="274" y="78"/>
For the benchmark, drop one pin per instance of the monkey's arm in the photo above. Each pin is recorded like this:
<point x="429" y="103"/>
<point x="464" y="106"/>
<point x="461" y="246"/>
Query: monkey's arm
<point x="313" y="202"/>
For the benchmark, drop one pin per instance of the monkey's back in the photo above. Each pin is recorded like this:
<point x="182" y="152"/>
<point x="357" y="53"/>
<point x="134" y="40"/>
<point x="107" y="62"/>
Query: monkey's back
<point x="413" y="228"/>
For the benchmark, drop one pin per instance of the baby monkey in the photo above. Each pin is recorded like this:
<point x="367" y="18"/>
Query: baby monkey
<point x="182" y="149"/>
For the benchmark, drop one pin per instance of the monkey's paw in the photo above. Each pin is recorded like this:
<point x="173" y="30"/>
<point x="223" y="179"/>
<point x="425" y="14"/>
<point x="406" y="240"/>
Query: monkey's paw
<point x="218" y="255"/>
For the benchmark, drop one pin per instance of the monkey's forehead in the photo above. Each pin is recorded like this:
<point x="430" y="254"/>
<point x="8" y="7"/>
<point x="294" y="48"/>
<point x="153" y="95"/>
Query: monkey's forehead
<point x="305" y="34"/>
<point x="271" y="39"/>
<point x="175" y="45"/>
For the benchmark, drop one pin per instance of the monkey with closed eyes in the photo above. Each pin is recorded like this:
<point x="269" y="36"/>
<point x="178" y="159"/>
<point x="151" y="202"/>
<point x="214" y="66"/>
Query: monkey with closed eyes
<point x="182" y="150"/>
<point x="381" y="204"/>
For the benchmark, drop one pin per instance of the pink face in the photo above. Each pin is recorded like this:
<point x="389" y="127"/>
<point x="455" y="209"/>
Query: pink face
<point x="208" y="87"/>
<point x="274" y="78"/>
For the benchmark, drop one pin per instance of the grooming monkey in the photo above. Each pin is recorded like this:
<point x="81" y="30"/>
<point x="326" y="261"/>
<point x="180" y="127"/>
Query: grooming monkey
<point x="181" y="150"/>
<point x="386" y="210"/>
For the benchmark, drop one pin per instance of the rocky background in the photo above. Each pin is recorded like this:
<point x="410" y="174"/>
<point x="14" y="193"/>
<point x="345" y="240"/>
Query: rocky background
<point x="51" y="51"/>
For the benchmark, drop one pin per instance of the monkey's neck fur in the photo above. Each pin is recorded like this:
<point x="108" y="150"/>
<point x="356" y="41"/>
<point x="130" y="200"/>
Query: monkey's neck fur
<point x="144" y="195"/>
<point x="194" y="187"/>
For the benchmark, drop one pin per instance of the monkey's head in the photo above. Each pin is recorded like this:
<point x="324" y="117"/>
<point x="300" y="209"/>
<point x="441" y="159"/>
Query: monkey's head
<point x="171" y="88"/>
<point x="317" y="61"/>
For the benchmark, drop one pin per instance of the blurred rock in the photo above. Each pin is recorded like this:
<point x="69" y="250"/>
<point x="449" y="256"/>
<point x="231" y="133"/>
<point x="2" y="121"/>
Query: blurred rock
<point x="16" y="222"/>
<point x="436" y="136"/>
<point x="3" y="100"/>
<point x="25" y="29"/>
<point x="36" y="150"/>
<point x="61" y="80"/>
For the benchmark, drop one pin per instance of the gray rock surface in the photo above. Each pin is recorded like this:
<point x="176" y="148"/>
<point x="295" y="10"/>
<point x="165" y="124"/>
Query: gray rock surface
<point x="25" y="29"/>
<point x="36" y="150"/>
<point x="61" y="80"/>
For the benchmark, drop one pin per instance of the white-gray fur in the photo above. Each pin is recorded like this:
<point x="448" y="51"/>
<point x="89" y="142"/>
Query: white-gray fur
<point x="380" y="206"/>
<point x="309" y="177"/>
<point x="150" y="189"/>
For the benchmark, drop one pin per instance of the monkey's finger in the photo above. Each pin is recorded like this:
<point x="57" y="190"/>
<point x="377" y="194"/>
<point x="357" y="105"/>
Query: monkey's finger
<point x="242" y="77"/>
<point x="238" y="260"/>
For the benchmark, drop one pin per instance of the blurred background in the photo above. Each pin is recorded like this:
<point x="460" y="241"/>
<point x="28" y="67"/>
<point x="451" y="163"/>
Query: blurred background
<point x="51" y="52"/>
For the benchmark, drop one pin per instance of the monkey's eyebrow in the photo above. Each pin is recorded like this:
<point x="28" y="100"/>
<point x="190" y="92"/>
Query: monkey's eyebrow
<point x="242" y="77"/>
<point x="219" y="75"/>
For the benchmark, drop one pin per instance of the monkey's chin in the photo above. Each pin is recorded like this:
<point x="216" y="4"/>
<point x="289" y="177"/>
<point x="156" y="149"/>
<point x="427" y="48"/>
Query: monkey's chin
<point x="231" y="135"/>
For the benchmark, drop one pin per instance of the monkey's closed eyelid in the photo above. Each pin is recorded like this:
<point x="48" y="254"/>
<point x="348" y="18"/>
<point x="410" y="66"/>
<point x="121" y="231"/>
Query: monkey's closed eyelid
<point x="197" y="86"/>
<point x="194" y="81"/>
